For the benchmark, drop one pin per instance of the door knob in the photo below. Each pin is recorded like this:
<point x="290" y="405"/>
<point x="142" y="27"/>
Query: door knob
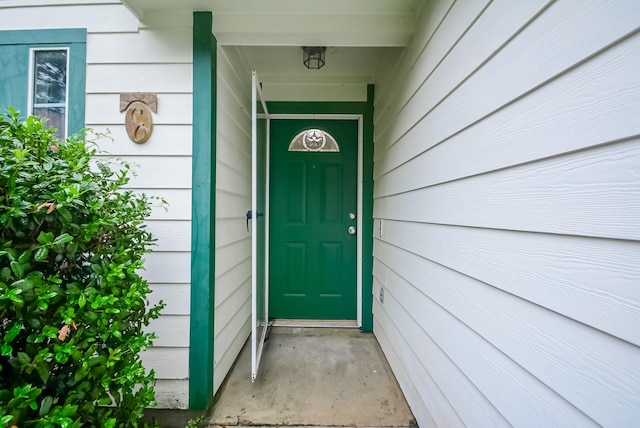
<point x="352" y="230"/>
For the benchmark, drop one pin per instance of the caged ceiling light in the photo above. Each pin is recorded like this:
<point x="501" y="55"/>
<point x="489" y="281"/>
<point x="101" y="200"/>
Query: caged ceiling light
<point x="313" y="57"/>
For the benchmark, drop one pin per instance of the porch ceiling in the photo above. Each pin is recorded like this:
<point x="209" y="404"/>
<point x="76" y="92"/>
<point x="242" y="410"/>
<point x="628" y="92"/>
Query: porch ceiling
<point x="269" y="33"/>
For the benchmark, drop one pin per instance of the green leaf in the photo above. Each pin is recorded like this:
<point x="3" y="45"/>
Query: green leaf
<point x="65" y="422"/>
<point x="12" y="333"/>
<point x="63" y="239"/>
<point x="41" y="254"/>
<point x="13" y="295"/>
<point x="27" y="284"/>
<point x="45" y="405"/>
<point x="105" y="401"/>
<point x="72" y="249"/>
<point x="24" y="257"/>
<point x="23" y="358"/>
<point x="64" y="214"/>
<point x="6" y="350"/>
<point x="97" y="360"/>
<point x="20" y="154"/>
<point x="48" y="295"/>
<point x="45" y="238"/>
<point x="82" y="300"/>
<point x="34" y="323"/>
<point x="5" y="274"/>
<point x="17" y="268"/>
<point x="55" y="280"/>
<point x="5" y="419"/>
<point x="12" y="254"/>
<point x="43" y="372"/>
<point x="50" y="331"/>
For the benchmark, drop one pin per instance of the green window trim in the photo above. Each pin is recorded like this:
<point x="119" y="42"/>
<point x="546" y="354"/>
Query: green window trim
<point x="15" y="46"/>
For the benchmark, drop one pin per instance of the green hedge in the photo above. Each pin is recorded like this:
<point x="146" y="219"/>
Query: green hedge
<point x="73" y="305"/>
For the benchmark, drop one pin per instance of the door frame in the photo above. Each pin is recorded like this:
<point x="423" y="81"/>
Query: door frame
<point x="360" y="192"/>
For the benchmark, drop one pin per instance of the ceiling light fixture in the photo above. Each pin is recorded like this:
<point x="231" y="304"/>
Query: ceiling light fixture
<point x="313" y="57"/>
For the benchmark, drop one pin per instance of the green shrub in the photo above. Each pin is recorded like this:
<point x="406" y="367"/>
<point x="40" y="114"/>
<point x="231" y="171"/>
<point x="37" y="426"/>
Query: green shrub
<point x="72" y="302"/>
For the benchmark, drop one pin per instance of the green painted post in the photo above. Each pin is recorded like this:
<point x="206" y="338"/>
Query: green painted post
<point x="367" y="217"/>
<point x="203" y="212"/>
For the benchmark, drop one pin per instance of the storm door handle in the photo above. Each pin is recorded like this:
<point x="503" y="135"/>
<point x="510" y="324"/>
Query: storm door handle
<point x="250" y="216"/>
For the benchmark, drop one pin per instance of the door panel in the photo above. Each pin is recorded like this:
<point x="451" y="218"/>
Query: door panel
<point x="313" y="193"/>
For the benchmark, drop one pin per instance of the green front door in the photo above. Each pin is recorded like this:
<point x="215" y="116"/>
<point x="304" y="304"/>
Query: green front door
<point x="312" y="219"/>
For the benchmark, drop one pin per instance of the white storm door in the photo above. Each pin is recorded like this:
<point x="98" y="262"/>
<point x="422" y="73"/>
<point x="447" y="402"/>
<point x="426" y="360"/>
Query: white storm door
<point x="259" y="232"/>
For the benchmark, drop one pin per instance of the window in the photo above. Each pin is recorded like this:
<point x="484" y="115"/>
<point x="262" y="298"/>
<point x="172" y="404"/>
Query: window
<point x="48" y="87"/>
<point x="314" y="140"/>
<point x="43" y="73"/>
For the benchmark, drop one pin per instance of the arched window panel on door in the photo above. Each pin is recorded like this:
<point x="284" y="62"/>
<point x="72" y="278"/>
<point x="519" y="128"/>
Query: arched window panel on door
<point x="314" y="140"/>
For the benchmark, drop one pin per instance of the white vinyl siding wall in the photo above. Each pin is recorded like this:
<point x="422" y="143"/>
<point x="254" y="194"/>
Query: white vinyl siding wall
<point x="232" y="322"/>
<point x="124" y="57"/>
<point x="507" y="207"/>
<point x="155" y="59"/>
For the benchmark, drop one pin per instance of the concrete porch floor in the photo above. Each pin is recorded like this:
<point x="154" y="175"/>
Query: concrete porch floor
<point x="313" y="377"/>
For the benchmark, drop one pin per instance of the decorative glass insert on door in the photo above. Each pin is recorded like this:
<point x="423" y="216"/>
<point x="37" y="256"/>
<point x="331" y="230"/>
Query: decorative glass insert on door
<point x="49" y="87"/>
<point x="314" y="140"/>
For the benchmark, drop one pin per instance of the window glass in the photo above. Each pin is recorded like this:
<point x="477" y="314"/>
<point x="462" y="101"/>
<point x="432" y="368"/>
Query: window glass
<point x="50" y="87"/>
<point x="314" y="140"/>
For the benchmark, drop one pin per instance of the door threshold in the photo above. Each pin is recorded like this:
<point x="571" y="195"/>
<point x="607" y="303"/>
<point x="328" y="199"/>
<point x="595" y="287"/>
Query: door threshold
<point x="314" y="323"/>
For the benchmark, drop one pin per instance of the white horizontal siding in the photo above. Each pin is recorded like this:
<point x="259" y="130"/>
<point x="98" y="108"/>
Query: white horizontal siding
<point x="107" y="18"/>
<point x="229" y="229"/>
<point x="178" y="205"/>
<point x="507" y="206"/>
<point x="104" y="109"/>
<point x="172" y="331"/>
<point x="232" y="179"/>
<point x="596" y="116"/>
<point x="417" y="399"/>
<point x="593" y="281"/>
<point x="155" y="60"/>
<point x="166" y="78"/>
<point x="177" y="297"/>
<point x="590" y="193"/>
<point x="551" y="39"/>
<point x="462" y="396"/>
<point x="159" y="172"/>
<point x="168" y="363"/>
<point x="171" y="45"/>
<point x="170" y="235"/>
<point x="166" y="140"/>
<point x="233" y="198"/>
<point x="167" y="267"/>
<point x="232" y="204"/>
